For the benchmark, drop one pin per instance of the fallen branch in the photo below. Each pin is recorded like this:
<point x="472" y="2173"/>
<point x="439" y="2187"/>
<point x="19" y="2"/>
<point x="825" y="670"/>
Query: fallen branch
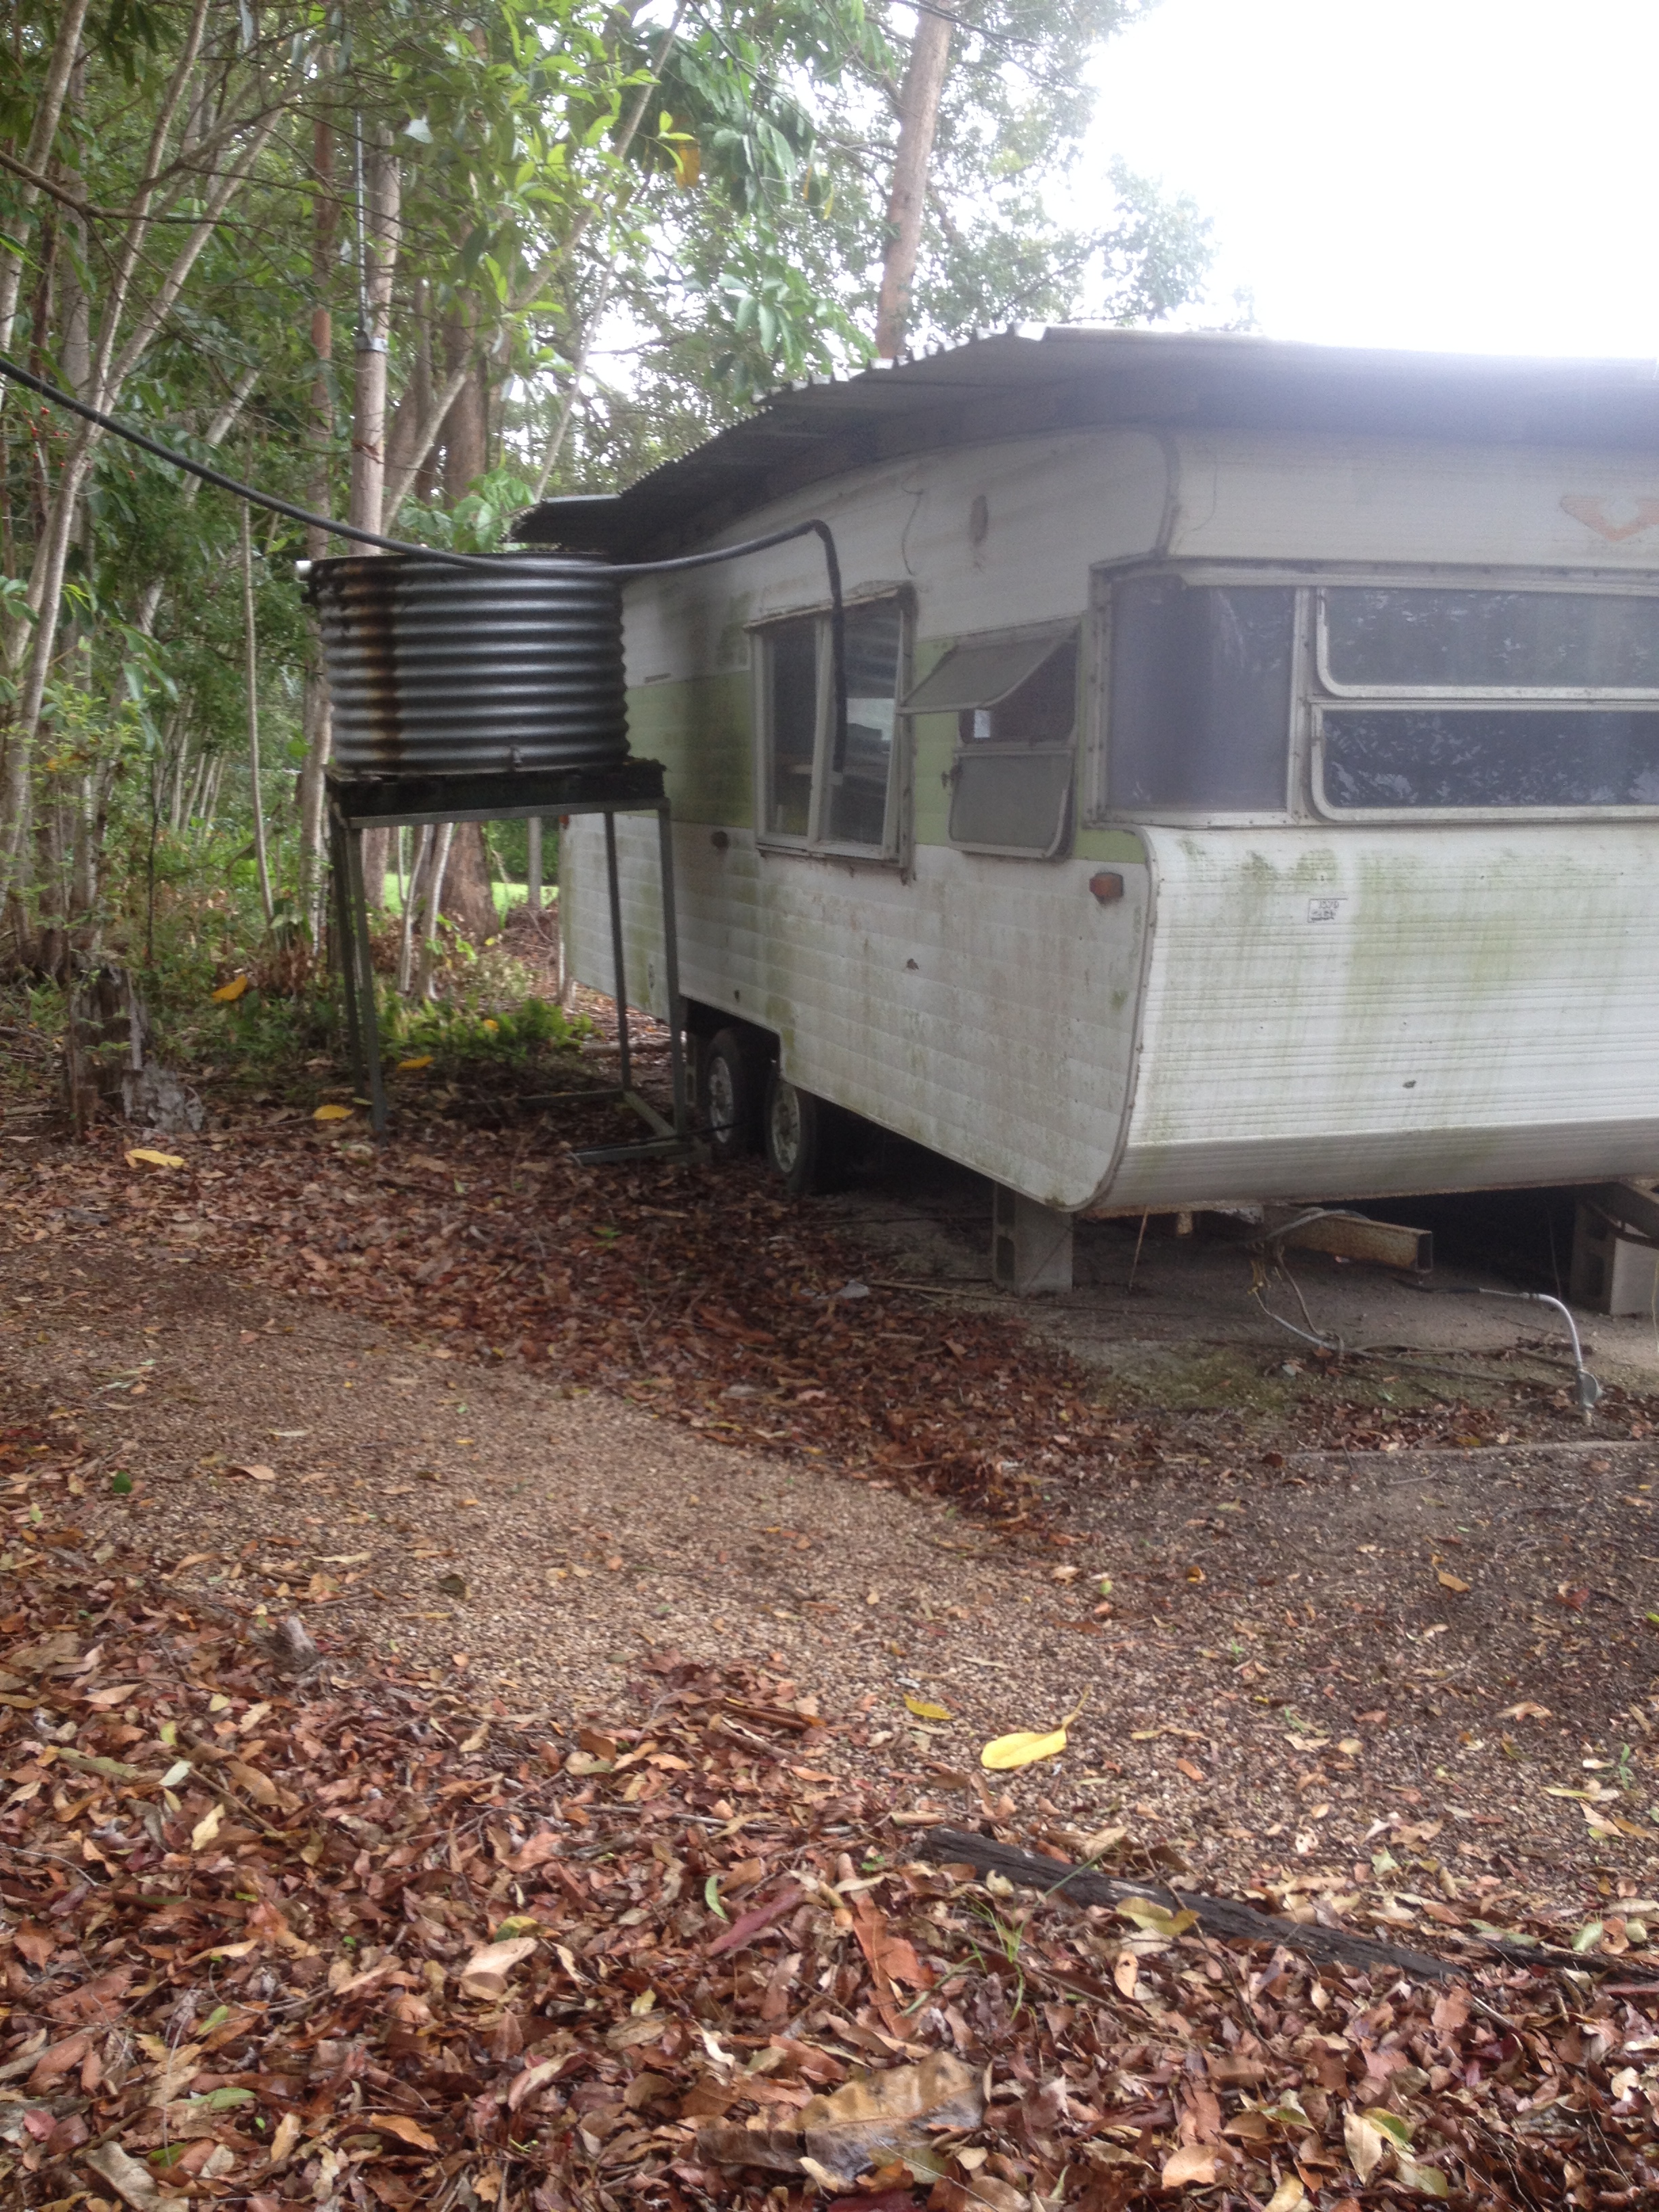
<point x="1222" y="1917"/>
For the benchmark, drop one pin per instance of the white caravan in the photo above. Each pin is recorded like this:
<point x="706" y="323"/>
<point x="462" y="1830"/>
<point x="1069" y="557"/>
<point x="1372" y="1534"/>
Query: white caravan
<point x="1251" y="785"/>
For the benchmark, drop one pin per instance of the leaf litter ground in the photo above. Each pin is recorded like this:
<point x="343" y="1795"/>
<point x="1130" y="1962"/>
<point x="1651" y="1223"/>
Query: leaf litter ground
<point x="270" y="1999"/>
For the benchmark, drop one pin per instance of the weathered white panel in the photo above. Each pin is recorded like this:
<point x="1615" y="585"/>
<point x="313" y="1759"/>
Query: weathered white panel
<point x="1321" y="498"/>
<point x="984" y="1008"/>
<point x="1053" y="507"/>
<point x="1481" y="1006"/>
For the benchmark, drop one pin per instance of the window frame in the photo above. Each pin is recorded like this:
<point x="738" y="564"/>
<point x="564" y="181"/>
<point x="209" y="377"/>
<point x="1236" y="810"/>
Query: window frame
<point x="1305" y="797"/>
<point x="896" y="817"/>
<point x="1057" y="633"/>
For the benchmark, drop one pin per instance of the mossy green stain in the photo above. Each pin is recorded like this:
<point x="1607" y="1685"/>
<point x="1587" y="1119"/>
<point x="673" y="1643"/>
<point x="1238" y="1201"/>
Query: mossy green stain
<point x="701" y="729"/>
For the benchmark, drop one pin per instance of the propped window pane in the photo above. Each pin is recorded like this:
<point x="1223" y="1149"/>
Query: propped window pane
<point x="1041" y="711"/>
<point x="979" y="675"/>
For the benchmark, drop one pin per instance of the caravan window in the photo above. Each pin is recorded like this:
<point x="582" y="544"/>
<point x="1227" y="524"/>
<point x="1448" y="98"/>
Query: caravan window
<point x="1015" y="701"/>
<point x="1199" y="714"/>
<point x="814" y="792"/>
<point x="1484" y="701"/>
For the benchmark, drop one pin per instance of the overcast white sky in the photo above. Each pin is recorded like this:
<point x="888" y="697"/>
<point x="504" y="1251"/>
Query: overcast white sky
<point x="1473" y="174"/>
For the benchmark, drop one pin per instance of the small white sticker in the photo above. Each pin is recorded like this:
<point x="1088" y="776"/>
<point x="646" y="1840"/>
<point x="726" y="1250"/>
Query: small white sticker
<point x="1323" y="909"/>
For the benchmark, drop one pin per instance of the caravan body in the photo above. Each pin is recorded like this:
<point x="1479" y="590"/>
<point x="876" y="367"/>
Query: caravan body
<point x="1251" y="784"/>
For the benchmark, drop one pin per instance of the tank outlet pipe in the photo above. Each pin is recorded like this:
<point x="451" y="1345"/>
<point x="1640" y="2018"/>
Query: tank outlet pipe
<point x="14" y="373"/>
<point x="1586" y="1388"/>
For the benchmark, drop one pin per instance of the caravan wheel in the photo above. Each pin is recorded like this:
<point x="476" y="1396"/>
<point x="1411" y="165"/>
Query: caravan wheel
<point x="731" y="1088"/>
<point x="802" y="1134"/>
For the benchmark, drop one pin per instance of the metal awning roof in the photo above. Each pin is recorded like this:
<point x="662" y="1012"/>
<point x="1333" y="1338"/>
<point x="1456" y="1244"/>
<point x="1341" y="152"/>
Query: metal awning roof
<point x="1071" y="377"/>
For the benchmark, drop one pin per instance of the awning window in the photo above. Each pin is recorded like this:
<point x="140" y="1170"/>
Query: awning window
<point x="1015" y="700"/>
<point x="982" y="676"/>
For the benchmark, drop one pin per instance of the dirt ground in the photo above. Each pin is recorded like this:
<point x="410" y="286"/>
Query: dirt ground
<point x="1445" y="1661"/>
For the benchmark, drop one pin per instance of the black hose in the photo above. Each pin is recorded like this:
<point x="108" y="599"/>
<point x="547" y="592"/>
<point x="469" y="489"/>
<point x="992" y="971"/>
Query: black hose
<point x="15" y="373"/>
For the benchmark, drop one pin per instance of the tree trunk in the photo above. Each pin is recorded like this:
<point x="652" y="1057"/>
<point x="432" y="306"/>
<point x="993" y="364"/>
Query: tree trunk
<point x="468" y="899"/>
<point x="317" y="718"/>
<point x="252" y="671"/>
<point x="532" y="873"/>
<point x="467" y="430"/>
<point x="919" y="99"/>
<point x="433" y="907"/>
<point x="37" y="155"/>
<point x="377" y="246"/>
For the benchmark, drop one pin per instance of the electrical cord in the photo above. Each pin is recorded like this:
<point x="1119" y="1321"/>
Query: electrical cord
<point x="1586" y="1387"/>
<point x="490" y="565"/>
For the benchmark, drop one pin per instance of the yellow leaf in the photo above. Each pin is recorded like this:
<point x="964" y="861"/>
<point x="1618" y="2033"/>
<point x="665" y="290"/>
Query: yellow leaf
<point x="924" y="1712"/>
<point x="255" y="1470"/>
<point x="407" y="1067"/>
<point x="229" y="992"/>
<point x="153" y="1159"/>
<point x="1449" y="1581"/>
<point x="1026" y="1746"/>
<point x="1288" y="2196"/>
<point x="1154" y="1918"/>
<point x="206" y="1829"/>
<point x="332" y="1114"/>
<point x="1022" y="1748"/>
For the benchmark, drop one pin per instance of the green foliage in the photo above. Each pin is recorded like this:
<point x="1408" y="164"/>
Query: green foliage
<point x="462" y="1031"/>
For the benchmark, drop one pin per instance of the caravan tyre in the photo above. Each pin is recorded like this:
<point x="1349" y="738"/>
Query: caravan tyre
<point x="801" y="1137"/>
<point x="731" y="1089"/>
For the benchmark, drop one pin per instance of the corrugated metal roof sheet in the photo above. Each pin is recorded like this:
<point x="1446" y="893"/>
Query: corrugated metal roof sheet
<point x="1069" y="377"/>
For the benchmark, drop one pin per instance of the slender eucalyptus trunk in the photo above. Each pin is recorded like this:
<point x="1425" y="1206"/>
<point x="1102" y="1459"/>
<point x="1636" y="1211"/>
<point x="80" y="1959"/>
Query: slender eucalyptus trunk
<point x="919" y="99"/>
<point x="37" y="156"/>
<point x="412" y="897"/>
<point x="432" y="908"/>
<point x="378" y="202"/>
<point x="253" y="664"/>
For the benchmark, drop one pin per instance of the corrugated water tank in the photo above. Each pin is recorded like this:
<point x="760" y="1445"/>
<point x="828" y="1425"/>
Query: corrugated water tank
<point x="440" y="671"/>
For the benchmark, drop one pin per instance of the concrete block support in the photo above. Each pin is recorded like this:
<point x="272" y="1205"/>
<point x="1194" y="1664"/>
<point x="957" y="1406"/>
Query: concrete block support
<point x="1030" y="1245"/>
<point x="1611" y="1274"/>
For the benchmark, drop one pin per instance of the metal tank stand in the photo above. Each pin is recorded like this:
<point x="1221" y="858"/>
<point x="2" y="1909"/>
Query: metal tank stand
<point x="386" y="802"/>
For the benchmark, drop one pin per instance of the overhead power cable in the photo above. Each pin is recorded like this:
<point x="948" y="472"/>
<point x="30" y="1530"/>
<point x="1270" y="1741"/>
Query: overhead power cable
<point x="487" y="564"/>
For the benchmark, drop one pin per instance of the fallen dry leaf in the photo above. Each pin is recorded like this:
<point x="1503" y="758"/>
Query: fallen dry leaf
<point x="1193" y="2165"/>
<point x="486" y="1972"/>
<point x="870" y="2122"/>
<point x="405" y="2130"/>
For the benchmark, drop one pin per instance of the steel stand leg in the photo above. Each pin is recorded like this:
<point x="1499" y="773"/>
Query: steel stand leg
<point x="622" y="1050"/>
<point x="369" y="1024"/>
<point x="671" y="971"/>
<point x="345" y="941"/>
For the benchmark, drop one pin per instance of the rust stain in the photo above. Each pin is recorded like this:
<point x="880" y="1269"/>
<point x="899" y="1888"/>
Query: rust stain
<point x="1583" y="507"/>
